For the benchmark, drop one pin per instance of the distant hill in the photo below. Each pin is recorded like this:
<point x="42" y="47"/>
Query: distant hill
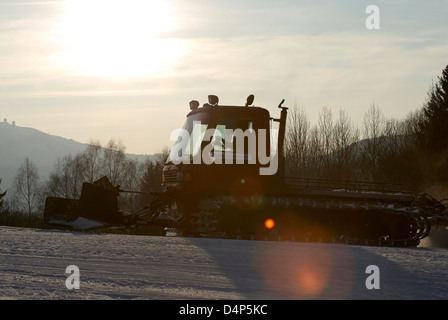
<point x="17" y="143"/>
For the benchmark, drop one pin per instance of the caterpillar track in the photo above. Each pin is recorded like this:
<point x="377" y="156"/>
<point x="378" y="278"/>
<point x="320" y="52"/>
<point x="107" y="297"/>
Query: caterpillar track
<point x="306" y="220"/>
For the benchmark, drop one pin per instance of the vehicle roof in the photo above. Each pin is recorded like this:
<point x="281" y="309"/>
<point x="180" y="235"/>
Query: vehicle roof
<point x="232" y="110"/>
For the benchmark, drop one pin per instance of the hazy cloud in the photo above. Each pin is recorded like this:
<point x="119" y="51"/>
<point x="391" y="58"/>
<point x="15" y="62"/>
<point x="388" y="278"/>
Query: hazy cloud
<point x="317" y="54"/>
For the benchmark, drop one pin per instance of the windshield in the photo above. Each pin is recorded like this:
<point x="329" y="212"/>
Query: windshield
<point x="218" y="139"/>
<point x="189" y="138"/>
<point x="215" y="139"/>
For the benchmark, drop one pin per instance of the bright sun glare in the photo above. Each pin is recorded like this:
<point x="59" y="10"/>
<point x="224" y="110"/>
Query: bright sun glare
<point x="115" y="38"/>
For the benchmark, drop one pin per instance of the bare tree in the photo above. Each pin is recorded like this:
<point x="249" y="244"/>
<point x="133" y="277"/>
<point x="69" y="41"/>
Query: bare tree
<point x="314" y="154"/>
<point x="326" y="130"/>
<point x="323" y="151"/>
<point x="92" y="156"/>
<point x="67" y="177"/>
<point x="113" y="161"/>
<point x="27" y="188"/>
<point x="296" y="142"/>
<point x="2" y="195"/>
<point x="151" y="179"/>
<point x="132" y="172"/>
<point x="345" y="135"/>
<point x="372" y="147"/>
<point x="163" y="156"/>
<point x="326" y="141"/>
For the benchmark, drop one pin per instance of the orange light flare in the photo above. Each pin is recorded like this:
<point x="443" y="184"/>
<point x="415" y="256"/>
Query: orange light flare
<point x="304" y="271"/>
<point x="269" y="224"/>
<point x="312" y="279"/>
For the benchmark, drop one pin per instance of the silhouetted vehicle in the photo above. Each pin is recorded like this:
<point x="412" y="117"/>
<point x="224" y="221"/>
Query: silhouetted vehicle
<point x="226" y="177"/>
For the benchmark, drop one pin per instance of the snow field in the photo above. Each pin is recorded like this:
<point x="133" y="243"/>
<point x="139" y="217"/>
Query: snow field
<point x="33" y="264"/>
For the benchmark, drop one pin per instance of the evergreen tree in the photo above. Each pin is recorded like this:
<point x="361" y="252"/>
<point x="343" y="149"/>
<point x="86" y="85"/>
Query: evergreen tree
<point x="432" y="132"/>
<point x="2" y="195"/>
<point x="433" y="128"/>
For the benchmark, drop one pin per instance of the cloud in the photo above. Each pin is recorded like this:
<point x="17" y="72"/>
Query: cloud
<point x="329" y="69"/>
<point x="313" y="54"/>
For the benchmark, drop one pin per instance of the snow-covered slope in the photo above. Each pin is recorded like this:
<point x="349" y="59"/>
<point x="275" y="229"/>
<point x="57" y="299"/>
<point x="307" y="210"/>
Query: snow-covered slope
<point x="33" y="266"/>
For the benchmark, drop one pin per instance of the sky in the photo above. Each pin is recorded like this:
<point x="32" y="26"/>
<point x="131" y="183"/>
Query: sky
<point x="127" y="69"/>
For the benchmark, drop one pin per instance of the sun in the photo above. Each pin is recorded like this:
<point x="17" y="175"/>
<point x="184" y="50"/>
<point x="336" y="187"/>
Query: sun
<point x="114" y="38"/>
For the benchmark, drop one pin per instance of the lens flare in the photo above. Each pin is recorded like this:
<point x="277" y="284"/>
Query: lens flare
<point x="311" y="280"/>
<point x="307" y="271"/>
<point x="269" y="223"/>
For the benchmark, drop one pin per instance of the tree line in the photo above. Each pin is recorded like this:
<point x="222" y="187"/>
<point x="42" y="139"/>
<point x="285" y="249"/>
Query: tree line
<point x="25" y="204"/>
<point x="412" y="151"/>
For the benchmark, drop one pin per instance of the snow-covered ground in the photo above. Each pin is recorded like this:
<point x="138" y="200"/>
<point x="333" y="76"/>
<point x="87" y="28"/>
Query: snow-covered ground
<point x="33" y="265"/>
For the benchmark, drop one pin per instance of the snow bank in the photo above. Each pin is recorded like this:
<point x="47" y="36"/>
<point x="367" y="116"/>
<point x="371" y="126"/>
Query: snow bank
<point x="81" y="224"/>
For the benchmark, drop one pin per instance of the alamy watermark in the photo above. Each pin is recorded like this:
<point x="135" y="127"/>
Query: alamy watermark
<point x="373" y="280"/>
<point x="73" y="280"/>
<point x="223" y="146"/>
<point x="373" y="20"/>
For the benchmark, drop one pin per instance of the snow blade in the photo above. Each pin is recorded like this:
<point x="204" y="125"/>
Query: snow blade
<point x="98" y="202"/>
<point x="60" y="209"/>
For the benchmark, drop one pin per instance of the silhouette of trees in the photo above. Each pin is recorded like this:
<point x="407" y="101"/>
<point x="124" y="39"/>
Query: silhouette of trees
<point x="345" y="135"/>
<point x="92" y="158"/>
<point x="326" y="150"/>
<point x="333" y="150"/>
<point x="433" y="127"/>
<point x="297" y="142"/>
<point x="113" y="162"/>
<point x="71" y="171"/>
<point x="411" y="151"/>
<point x="432" y="131"/>
<point x="374" y="141"/>
<point x="67" y="177"/>
<point x="151" y="179"/>
<point x="2" y="195"/>
<point x="132" y="172"/>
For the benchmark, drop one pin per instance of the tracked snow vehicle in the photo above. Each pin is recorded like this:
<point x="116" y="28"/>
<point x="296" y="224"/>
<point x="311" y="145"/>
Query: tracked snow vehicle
<point x="226" y="177"/>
